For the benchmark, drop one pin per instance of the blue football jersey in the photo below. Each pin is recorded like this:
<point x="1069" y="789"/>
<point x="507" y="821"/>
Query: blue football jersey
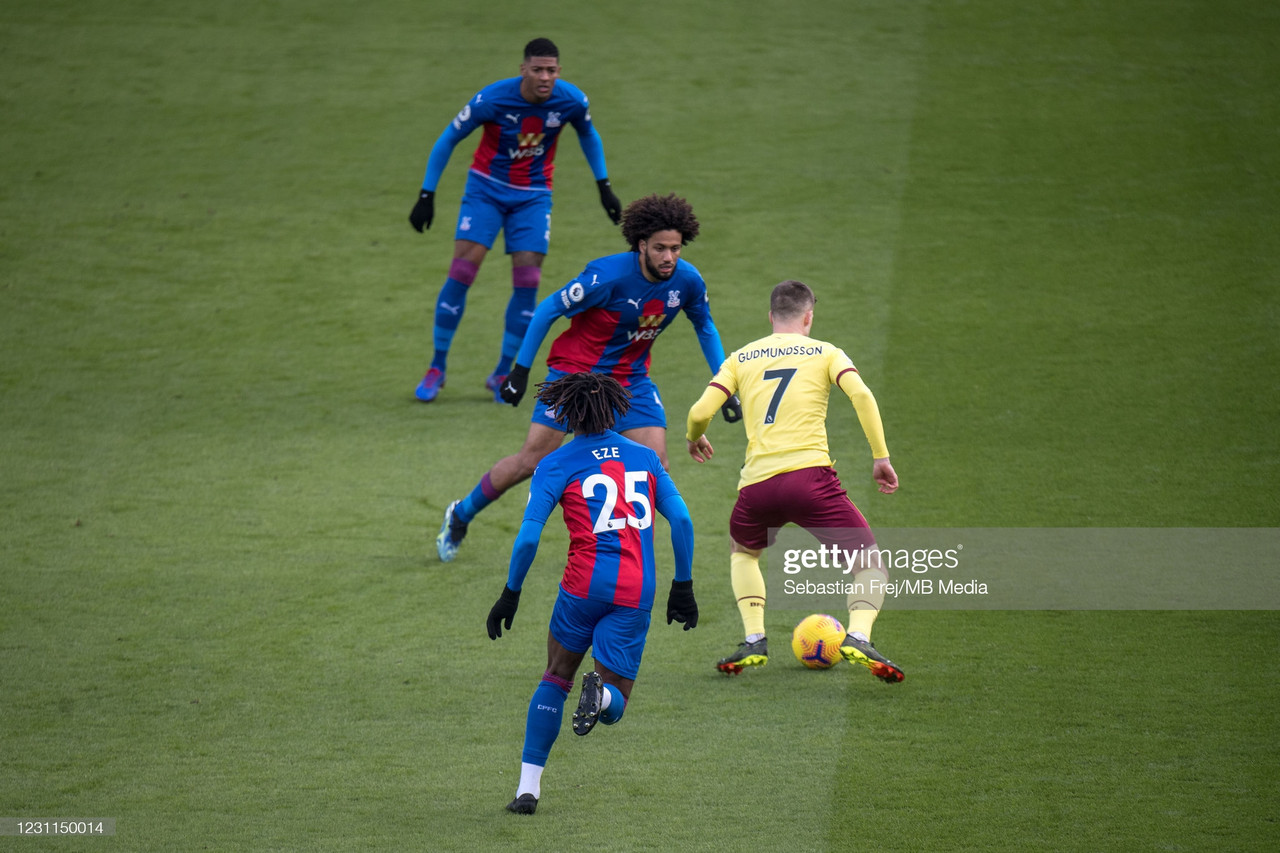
<point x="518" y="145"/>
<point x="616" y="314"/>
<point x="608" y="488"/>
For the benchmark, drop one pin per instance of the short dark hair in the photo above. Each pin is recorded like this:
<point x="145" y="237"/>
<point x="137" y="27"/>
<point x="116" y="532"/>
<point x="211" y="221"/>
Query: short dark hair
<point x="791" y="299"/>
<point x="541" y="47"/>
<point x="646" y="216"/>
<point x="585" y="402"/>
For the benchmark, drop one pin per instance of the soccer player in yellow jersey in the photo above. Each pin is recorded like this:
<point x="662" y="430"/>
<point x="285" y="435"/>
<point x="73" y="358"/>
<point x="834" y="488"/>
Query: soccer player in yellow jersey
<point x="784" y="381"/>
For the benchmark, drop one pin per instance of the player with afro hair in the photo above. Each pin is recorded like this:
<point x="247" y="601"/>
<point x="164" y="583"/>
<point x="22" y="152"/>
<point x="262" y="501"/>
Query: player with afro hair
<point x="616" y="307"/>
<point x="646" y="216"/>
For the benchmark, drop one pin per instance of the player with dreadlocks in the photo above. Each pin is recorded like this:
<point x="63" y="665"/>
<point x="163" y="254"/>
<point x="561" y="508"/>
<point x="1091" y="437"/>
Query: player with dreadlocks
<point x="617" y="307"/>
<point x="585" y="402"/>
<point x="608" y="488"/>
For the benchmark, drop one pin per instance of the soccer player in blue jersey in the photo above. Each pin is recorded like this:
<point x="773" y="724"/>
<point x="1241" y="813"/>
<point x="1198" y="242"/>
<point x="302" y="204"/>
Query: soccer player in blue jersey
<point x="608" y="489"/>
<point x="509" y="190"/>
<point x="618" y="306"/>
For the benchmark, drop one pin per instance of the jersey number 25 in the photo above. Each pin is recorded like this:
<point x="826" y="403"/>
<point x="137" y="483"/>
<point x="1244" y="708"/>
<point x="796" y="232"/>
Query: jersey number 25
<point x="605" y="521"/>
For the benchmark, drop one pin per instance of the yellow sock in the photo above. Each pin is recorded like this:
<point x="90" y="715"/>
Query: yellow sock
<point x="864" y="605"/>
<point x="748" y="587"/>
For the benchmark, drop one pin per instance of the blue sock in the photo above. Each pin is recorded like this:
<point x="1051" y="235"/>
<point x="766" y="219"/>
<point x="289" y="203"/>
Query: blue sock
<point x="450" y="306"/>
<point x="542" y="726"/>
<point x="519" y="312"/>
<point x="481" y="496"/>
<point x="617" y="704"/>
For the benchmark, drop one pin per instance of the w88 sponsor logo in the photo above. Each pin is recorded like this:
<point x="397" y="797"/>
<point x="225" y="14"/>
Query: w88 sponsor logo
<point x="650" y="328"/>
<point x="528" y="140"/>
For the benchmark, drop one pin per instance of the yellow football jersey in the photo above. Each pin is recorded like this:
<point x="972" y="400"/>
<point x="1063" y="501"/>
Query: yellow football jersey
<point x="784" y="382"/>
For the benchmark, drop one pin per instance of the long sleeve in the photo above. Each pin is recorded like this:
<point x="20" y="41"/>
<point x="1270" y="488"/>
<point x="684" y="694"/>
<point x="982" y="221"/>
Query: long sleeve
<point x="704" y="410"/>
<point x="864" y="403"/>
<point x="522" y="553"/>
<point x="440" y="154"/>
<point x="543" y="318"/>
<point x="593" y="148"/>
<point x="676" y="512"/>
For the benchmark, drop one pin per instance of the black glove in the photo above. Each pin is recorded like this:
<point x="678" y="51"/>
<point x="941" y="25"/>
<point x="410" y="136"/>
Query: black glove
<point x="612" y="206"/>
<point x="732" y="410"/>
<point x="513" y="387"/>
<point x="681" y="606"/>
<point x="504" y="608"/>
<point x="424" y="211"/>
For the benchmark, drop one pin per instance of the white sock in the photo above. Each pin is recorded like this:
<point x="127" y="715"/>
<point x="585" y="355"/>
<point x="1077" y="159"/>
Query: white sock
<point x="530" y="780"/>
<point x="754" y="638"/>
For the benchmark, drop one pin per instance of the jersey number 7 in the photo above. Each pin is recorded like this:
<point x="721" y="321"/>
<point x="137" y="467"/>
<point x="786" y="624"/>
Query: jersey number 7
<point x="785" y="374"/>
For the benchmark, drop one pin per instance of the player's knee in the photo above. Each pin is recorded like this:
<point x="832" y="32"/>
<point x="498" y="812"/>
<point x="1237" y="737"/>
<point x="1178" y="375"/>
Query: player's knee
<point x="526" y="461"/>
<point x="540" y="442"/>
<point x="463" y="271"/>
<point x="526" y="279"/>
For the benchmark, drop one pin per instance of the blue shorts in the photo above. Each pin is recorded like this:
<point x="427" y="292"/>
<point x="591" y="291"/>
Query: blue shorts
<point x="523" y="216"/>
<point x="615" y="634"/>
<point x="646" y="407"/>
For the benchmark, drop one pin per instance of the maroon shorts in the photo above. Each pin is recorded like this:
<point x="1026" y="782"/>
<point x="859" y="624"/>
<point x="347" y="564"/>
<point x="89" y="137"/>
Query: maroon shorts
<point x="811" y="498"/>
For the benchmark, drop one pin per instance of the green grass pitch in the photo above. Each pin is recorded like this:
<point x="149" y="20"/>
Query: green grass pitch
<point x="1047" y="233"/>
